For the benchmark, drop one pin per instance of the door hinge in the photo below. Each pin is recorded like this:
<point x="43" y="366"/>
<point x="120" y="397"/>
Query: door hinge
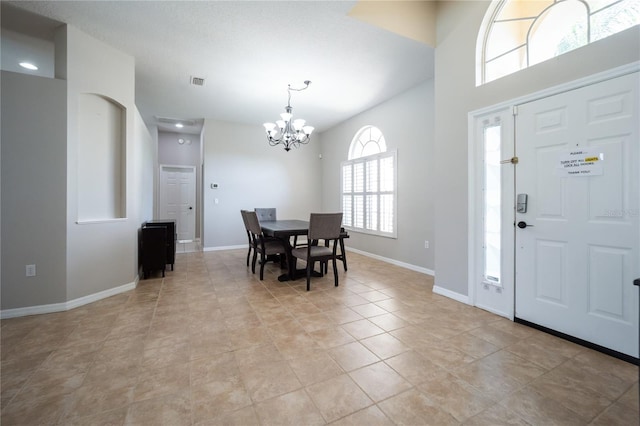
<point x="512" y="160"/>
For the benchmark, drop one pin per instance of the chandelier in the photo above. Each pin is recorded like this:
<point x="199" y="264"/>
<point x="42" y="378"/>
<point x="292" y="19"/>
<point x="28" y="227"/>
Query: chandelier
<point x="287" y="131"/>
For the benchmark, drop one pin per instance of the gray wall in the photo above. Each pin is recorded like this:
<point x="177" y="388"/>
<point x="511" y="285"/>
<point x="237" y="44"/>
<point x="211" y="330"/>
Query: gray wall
<point x="407" y="124"/>
<point x="251" y="174"/>
<point x="18" y="45"/>
<point x="143" y="160"/>
<point x="39" y="180"/>
<point x="171" y="152"/>
<point x="456" y="95"/>
<point x="432" y="180"/>
<point x="34" y="189"/>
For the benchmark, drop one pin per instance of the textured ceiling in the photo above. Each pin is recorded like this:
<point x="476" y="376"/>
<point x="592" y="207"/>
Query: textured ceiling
<point x="247" y="52"/>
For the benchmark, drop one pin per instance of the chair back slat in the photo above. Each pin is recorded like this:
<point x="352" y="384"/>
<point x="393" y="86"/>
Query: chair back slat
<point x="253" y="223"/>
<point x="244" y="219"/>
<point x="325" y="226"/>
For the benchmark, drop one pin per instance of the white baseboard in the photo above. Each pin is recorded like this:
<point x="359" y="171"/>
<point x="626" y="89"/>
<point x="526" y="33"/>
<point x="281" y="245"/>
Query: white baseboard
<point x="245" y="246"/>
<point x="71" y="304"/>
<point x="393" y="261"/>
<point x="65" y="306"/>
<point x="451" y="294"/>
<point x="436" y="289"/>
<point x="494" y="311"/>
<point x="364" y="253"/>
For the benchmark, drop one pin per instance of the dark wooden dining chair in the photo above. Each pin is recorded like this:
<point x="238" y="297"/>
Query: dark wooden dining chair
<point x="343" y="254"/>
<point x="246" y="226"/>
<point x="269" y="213"/>
<point x="322" y="226"/>
<point x="264" y="214"/>
<point x="261" y="244"/>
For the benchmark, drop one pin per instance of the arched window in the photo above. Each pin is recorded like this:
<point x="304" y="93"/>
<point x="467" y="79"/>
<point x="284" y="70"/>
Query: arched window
<point x="369" y="185"/>
<point x="516" y="34"/>
<point x="369" y="140"/>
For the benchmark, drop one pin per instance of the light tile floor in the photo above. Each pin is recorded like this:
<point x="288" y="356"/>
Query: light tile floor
<point x="210" y="344"/>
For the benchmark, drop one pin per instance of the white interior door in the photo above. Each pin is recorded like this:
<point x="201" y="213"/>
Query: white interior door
<point x="576" y="260"/>
<point x="178" y="198"/>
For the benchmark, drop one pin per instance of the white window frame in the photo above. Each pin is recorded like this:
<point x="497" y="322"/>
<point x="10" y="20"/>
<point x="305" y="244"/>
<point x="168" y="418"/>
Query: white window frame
<point x="496" y="297"/>
<point x="492" y="195"/>
<point x="593" y="11"/>
<point x="376" y="193"/>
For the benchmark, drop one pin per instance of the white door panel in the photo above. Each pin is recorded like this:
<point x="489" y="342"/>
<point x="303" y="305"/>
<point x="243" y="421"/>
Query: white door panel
<point x="177" y="198"/>
<point x="575" y="265"/>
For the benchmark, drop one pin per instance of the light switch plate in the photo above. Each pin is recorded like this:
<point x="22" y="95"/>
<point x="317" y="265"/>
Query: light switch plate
<point x="30" y="270"/>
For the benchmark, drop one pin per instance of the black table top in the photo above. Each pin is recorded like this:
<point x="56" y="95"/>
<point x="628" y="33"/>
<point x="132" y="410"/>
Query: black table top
<point x="283" y="228"/>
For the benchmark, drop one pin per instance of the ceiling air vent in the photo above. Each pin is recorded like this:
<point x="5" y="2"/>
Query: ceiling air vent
<point x="197" y="81"/>
<point x="174" y="121"/>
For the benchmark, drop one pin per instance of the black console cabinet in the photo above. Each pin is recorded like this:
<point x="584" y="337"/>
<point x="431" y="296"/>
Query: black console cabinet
<point x="154" y="251"/>
<point x="158" y="245"/>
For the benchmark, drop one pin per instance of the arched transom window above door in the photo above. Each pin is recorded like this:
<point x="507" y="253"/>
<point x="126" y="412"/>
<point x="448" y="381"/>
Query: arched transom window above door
<point x="516" y="34"/>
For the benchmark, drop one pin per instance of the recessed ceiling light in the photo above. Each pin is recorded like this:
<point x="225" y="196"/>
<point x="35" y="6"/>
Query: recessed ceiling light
<point x="28" y="65"/>
<point x="179" y="125"/>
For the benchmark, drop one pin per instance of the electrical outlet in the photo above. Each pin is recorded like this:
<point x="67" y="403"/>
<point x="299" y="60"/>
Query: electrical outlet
<point x="30" y="270"/>
<point x="426" y="244"/>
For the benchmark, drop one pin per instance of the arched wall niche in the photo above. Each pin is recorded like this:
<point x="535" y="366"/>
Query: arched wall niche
<point x="101" y="158"/>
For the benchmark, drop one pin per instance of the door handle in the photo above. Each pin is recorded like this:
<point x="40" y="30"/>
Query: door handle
<point x="522" y="224"/>
<point x="190" y="208"/>
<point x="512" y="160"/>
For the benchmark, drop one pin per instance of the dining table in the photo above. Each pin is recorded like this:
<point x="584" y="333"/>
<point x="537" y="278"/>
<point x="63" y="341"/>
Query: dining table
<point x="284" y="230"/>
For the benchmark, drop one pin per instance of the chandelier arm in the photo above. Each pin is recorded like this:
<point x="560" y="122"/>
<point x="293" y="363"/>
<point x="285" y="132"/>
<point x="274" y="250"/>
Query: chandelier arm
<point x="306" y="86"/>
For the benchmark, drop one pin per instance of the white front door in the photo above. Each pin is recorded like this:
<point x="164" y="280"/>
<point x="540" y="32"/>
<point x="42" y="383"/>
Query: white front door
<point x="579" y="161"/>
<point x="178" y="198"/>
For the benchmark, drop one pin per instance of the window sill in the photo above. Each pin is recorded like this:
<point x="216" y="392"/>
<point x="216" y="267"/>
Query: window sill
<point x="374" y="233"/>
<point x="99" y="221"/>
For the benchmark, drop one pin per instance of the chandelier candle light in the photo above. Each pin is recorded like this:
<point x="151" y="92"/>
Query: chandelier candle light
<point x="289" y="132"/>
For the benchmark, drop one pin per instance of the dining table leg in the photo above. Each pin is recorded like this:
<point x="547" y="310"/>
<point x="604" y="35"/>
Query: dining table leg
<point x="293" y="272"/>
<point x="290" y="275"/>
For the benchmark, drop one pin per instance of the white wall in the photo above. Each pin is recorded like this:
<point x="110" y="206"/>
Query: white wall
<point x="100" y="255"/>
<point x="103" y="255"/>
<point x="456" y="95"/>
<point x="252" y="174"/>
<point x="33" y="189"/>
<point x="407" y="124"/>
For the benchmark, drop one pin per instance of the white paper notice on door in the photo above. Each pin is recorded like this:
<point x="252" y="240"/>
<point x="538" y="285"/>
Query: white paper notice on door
<point x="580" y="162"/>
